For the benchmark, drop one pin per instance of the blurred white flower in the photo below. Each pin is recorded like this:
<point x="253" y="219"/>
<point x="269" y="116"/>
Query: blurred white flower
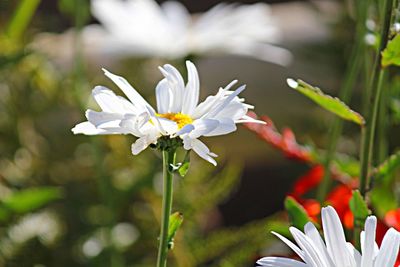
<point x="178" y="113"/>
<point x="144" y="28"/>
<point x="336" y="252"/>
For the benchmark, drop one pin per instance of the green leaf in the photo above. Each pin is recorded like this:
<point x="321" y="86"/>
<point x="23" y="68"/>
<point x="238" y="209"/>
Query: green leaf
<point x="332" y="104"/>
<point x="359" y="208"/>
<point x="391" y="54"/>
<point x="383" y="199"/>
<point x="346" y="164"/>
<point x="388" y="166"/>
<point x="30" y="199"/>
<point x="297" y="214"/>
<point x="175" y="221"/>
<point x="184" y="168"/>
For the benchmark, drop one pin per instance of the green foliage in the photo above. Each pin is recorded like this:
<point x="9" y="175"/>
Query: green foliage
<point x="359" y="208"/>
<point x="346" y="165"/>
<point x="28" y="200"/>
<point x="234" y="247"/>
<point x="184" y="168"/>
<point x="391" y="54"/>
<point x="388" y="167"/>
<point x="383" y="197"/>
<point x="175" y="221"/>
<point x="334" y="105"/>
<point x="297" y="214"/>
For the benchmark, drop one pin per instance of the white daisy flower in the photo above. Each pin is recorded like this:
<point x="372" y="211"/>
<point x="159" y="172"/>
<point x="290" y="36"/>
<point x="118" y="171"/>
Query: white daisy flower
<point x="144" y="28"/>
<point x="179" y="116"/>
<point x="335" y="251"/>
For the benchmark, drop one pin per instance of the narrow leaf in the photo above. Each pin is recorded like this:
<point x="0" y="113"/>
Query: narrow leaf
<point x="175" y="221"/>
<point x="332" y="104"/>
<point x="297" y="214"/>
<point x="388" y="166"/>
<point x="184" y="168"/>
<point x="30" y="199"/>
<point x="391" y="54"/>
<point x="359" y="208"/>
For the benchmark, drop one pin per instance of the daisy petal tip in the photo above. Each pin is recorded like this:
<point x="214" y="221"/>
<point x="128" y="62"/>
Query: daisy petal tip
<point x="371" y="219"/>
<point x="292" y="83"/>
<point x="189" y="63"/>
<point x="328" y="209"/>
<point x="74" y="131"/>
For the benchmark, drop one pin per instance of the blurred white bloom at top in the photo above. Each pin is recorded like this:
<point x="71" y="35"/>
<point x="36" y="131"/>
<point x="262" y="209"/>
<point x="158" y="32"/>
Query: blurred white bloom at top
<point x="144" y="28"/>
<point x="335" y="251"/>
<point x="179" y="120"/>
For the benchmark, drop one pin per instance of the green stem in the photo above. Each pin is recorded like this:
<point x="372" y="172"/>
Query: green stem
<point x="377" y="80"/>
<point x="368" y="134"/>
<point x="337" y="125"/>
<point x="382" y="142"/>
<point x="168" y="160"/>
<point x="21" y="18"/>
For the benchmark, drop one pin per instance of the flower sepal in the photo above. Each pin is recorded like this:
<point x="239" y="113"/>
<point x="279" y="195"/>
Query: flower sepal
<point x="166" y="143"/>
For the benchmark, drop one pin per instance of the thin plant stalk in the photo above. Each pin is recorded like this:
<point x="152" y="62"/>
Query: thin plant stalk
<point x="381" y="138"/>
<point x="368" y="132"/>
<point x="337" y="125"/>
<point x="21" y="18"/>
<point x="168" y="176"/>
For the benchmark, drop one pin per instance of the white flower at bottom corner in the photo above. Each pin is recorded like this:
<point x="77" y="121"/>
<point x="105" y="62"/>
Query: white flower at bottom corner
<point x="335" y="251"/>
<point x="179" y="115"/>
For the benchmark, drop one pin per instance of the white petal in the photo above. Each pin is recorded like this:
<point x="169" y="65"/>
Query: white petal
<point x="89" y="129"/>
<point x="368" y="244"/>
<point x="280" y="262"/>
<point x="192" y="90"/>
<point x="176" y="84"/>
<point x="226" y="101"/>
<point x="142" y="143"/>
<point x="185" y="129"/>
<point x="246" y="118"/>
<point x="210" y="102"/>
<point x="137" y="100"/>
<point x="355" y="254"/>
<point x="156" y="121"/>
<point x="136" y="124"/>
<point x="389" y="249"/>
<point x="163" y="96"/>
<point x="290" y="244"/>
<point x="314" y="235"/>
<point x="313" y="256"/>
<point x="234" y="110"/>
<point x="266" y="52"/>
<point x="109" y="102"/>
<point x="200" y="148"/>
<point x="334" y="237"/>
<point x="100" y="119"/>
<point x="169" y="127"/>
<point x="177" y="14"/>
<point x="225" y="126"/>
<point x="203" y="127"/>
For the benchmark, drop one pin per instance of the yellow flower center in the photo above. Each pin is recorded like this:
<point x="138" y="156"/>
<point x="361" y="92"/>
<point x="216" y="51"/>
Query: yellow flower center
<point x="180" y="118"/>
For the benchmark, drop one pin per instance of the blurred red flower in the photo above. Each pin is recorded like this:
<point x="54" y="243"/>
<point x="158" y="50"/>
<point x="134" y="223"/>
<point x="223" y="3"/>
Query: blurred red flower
<point x="286" y="142"/>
